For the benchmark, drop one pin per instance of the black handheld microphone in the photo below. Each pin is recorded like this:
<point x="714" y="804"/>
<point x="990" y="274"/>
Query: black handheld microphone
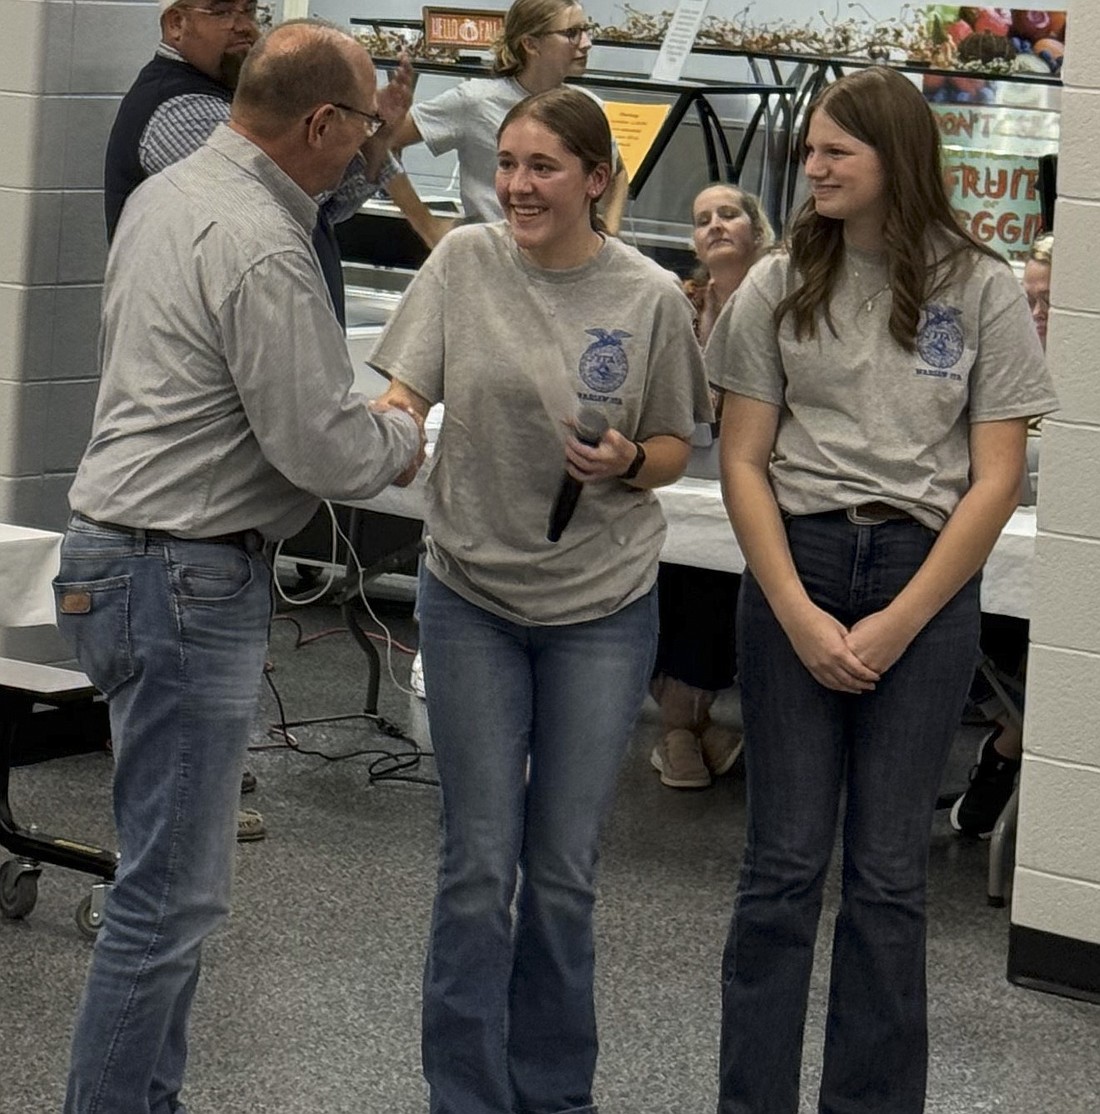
<point x="589" y="427"/>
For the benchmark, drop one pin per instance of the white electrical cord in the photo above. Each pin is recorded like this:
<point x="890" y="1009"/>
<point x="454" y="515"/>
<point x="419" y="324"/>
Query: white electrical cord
<point x="304" y="601"/>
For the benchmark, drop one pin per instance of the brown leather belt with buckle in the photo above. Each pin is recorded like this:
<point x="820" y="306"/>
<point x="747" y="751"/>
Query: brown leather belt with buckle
<point x="876" y="512"/>
<point x="250" y="540"/>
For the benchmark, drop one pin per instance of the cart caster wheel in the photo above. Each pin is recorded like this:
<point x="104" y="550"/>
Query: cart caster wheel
<point x="18" y="890"/>
<point x="87" y="921"/>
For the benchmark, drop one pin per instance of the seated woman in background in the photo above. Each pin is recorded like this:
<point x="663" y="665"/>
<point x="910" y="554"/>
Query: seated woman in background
<point x="537" y="653"/>
<point x="544" y="42"/>
<point x="695" y="655"/>
<point x="993" y="778"/>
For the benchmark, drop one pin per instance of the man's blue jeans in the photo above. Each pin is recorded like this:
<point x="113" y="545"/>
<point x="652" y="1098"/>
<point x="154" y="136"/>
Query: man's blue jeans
<point x="806" y="746"/>
<point x="174" y="634"/>
<point x="509" y="1022"/>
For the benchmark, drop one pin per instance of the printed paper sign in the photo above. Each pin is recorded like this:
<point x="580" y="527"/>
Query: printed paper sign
<point x="678" y="40"/>
<point x="635" y="127"/>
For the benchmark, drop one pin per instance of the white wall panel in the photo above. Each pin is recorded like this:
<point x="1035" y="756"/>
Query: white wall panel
<point x="1061" y="717"/>
<point x="36" y="45"/>
<point x="23" y="409"/>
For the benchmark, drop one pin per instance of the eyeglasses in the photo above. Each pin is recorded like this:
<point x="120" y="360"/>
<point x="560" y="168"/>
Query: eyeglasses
<point x="227" y="14"/>
<point x="371" y="121"/>
<point x="573" y="34"/>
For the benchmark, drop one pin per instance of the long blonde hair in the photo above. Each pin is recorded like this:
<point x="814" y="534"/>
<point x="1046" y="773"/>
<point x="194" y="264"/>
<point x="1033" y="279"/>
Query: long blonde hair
<point x="523" y="18"/>
<point x="1042" y="249"/>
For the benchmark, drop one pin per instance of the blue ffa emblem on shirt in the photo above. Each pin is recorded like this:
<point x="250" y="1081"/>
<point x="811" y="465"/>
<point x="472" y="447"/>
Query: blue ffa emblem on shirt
<point x="940" y="337"/>
<point x="603" y="364"/>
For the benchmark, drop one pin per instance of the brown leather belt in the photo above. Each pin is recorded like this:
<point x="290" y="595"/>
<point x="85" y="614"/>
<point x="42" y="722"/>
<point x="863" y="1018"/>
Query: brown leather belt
<point x="250" y="540"/>
<point x="876" y="512"/>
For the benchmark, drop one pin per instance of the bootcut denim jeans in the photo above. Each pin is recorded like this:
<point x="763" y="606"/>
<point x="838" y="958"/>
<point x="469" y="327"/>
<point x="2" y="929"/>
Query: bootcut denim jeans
<point x="174" y="633"/>
<point x="509" y="1022"/>
<point x="807" y="748"/>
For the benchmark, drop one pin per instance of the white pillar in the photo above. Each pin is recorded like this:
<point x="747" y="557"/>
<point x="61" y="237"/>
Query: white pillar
<point x="1056" y="897"/>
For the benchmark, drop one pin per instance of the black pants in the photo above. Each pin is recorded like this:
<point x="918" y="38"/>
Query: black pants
<point x="698" y="609"/>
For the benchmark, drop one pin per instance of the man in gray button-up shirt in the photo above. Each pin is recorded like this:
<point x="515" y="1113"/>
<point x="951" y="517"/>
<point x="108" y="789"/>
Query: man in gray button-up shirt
<point x="226" y="410"/>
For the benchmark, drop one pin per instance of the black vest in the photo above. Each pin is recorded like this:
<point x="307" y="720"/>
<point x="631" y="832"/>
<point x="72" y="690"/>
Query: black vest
<point x="159" y="81"/>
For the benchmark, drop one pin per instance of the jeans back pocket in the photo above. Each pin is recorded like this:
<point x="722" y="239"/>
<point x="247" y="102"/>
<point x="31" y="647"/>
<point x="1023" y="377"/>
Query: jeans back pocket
<point x="94" y="616"/>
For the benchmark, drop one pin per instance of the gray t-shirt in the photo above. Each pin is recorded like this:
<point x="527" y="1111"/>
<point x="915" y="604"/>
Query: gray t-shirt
<point x="466" y="119"/>
<point x="500" y="341"/>
<point x="860" y="418"/>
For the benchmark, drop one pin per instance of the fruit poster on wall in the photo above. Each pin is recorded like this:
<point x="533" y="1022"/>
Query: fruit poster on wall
<point x="994" y="131"/>
<point x="996" y="198"/>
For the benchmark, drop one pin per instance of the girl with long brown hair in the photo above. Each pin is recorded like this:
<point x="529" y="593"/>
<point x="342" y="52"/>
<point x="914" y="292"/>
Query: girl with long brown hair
<point x="879" y="373"/>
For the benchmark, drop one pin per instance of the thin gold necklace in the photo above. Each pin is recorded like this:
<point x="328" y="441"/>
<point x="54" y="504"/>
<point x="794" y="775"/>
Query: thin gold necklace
<point x="869" y="301"/>
<point x="869" y="304"/>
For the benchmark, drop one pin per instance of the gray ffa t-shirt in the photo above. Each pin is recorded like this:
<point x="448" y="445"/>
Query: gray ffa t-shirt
<point x="860" y="418"/>
<point x="466" y="119"/>
<point x="502" y="343"/>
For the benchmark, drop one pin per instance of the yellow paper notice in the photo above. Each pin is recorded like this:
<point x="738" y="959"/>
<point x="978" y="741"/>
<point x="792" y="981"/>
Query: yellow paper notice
<point x="635" y="127"/>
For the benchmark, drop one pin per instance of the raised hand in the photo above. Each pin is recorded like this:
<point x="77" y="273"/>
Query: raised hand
<point x="396" y="96"/>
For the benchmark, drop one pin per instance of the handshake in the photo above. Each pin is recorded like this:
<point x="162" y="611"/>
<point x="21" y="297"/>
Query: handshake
<point x="399" y="397"/>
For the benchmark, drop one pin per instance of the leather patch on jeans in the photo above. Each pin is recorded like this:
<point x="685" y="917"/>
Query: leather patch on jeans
<point x="75" y="603"/>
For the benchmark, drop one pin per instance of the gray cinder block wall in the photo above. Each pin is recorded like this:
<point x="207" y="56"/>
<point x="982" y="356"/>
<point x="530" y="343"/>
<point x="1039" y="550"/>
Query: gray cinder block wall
<point x="1057" y="881"/>
<point x="63" y="67"/>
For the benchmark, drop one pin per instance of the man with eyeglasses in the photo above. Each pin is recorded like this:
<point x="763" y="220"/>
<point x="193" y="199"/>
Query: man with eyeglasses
<point x="226" y="410"/>
<point x="180" y="96"/>
<point x="184" y="92"/>
<point x="177" y="101"/>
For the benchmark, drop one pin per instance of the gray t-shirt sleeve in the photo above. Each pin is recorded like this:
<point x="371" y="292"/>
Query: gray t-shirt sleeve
<point x="411" y="348"/>
<point x="743" y="353"/>
<point x="440" y="120"/>
<point x="676" y="395"/>
<point x="1009" y="378"/>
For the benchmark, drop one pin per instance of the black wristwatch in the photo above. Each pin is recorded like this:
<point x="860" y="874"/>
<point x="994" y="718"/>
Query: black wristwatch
<point x="636" y="463"/>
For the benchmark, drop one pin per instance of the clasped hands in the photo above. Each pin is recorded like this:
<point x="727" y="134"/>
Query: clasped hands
<point x="848" y="659"/>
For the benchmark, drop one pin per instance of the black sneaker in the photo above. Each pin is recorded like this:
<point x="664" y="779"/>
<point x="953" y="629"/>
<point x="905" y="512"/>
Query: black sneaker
<point x="992" y="780"/>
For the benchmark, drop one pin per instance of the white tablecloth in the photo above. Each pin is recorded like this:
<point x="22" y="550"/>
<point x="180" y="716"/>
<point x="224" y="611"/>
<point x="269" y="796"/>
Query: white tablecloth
<point x="28" y="564"/>
<point x="699" y="534"/>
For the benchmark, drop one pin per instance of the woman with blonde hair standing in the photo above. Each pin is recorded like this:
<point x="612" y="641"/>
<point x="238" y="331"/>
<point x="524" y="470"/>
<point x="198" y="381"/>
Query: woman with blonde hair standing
<point x="544" y="42"/>
<point x="880" y="374"/>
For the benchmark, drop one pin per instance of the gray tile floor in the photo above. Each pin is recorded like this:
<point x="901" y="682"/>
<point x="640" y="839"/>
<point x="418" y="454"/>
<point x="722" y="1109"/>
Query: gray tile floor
<point x="310" y="995"/>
